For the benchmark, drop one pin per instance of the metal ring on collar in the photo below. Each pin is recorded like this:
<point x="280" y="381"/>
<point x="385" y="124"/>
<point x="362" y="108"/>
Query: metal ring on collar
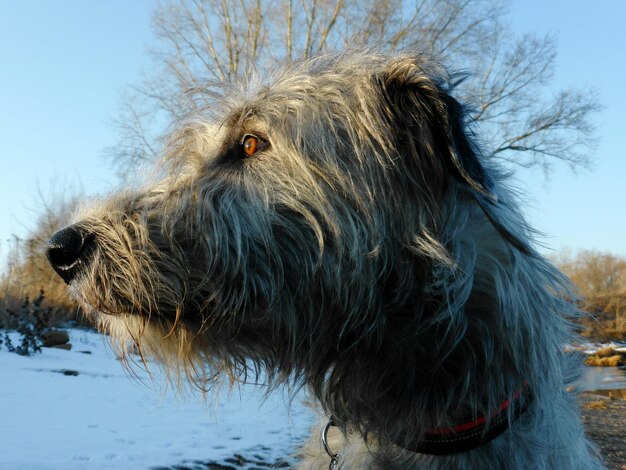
<point x="331" y="454"/>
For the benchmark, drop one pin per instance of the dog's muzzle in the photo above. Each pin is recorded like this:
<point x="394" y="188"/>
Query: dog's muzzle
<point x="69" y="250"/>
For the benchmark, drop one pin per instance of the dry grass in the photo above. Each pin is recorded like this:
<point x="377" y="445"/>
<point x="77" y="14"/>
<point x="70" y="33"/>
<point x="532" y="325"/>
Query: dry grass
<point x="596" y="405"/>
<point x="607" y="357"/>
<point x="606" y="352"/>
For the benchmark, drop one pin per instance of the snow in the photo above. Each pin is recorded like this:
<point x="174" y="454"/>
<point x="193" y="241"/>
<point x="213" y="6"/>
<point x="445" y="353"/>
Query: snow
<point x="591" y="347"/>
<point x="104" y="419"/>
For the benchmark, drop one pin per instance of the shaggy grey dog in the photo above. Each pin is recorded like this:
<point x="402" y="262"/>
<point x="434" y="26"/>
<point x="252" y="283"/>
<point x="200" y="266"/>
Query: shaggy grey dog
<point x="337" y="227"/>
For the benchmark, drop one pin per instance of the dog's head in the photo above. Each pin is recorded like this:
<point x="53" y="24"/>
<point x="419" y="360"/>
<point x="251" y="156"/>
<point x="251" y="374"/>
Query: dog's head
<point x="304" y="224"/>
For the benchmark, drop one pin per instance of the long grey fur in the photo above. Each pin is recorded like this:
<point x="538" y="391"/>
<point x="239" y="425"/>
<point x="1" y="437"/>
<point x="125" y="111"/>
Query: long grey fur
<point x="368" y="252"/>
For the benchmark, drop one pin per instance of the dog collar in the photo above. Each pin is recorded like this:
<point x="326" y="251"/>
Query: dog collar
<point x="461" y="437"/>
<point x="472" y="434"/>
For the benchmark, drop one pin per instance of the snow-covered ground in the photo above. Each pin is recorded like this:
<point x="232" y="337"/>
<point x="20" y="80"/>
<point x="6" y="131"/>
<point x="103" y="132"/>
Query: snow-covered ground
<point x="101" y="419"/>
<point x="591" y="347"/>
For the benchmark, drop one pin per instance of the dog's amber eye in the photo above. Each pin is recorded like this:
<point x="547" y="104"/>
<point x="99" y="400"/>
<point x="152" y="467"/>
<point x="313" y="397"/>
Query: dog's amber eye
<point x="252" y="144"/>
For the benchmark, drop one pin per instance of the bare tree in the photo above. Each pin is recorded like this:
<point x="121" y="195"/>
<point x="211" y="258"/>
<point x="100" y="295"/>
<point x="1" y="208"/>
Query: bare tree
<point x="595" y="273"/>
<point x="601" y="281"/>
<point x="507" y="81"/>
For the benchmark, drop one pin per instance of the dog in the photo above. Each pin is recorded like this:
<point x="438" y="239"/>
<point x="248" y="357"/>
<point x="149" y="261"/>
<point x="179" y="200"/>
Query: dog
<point x="336" y="226"/>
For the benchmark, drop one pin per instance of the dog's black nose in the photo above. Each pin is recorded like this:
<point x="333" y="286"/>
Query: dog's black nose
<point x="68" y="249"/>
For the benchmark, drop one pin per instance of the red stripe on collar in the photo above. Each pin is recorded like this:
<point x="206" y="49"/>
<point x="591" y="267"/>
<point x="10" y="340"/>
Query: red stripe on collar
<point x="469" y="435"/>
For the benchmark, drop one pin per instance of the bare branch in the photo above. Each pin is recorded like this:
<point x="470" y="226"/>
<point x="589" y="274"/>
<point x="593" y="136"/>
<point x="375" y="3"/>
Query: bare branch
<point x="232" y="48"/>
<point x="208" y="37"/>
<point x="309" y="29"/>
<point x="559" y="131"/>
<point x="290" y="30"/>
<point x="507" y="88"/>
<point x="331" y="23"/>
<point x="404" y="31"/>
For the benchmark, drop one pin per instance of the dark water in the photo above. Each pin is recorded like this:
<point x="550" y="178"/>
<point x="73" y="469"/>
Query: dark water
<point x="607" y="381"/>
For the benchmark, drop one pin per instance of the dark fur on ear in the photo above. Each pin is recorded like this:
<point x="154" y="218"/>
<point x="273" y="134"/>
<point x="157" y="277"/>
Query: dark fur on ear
<point x="435" y="130"/>
<point x="464" y="155"/>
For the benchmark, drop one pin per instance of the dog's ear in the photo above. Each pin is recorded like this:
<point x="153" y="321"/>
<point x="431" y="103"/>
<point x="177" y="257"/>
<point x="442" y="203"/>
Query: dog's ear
<point x="431" y="121"/>
<point x="462" y="154"/>
<point x="432" y="128"/>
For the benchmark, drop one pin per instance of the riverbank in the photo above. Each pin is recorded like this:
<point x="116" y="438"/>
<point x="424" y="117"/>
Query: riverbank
<point x="605" y="423"/>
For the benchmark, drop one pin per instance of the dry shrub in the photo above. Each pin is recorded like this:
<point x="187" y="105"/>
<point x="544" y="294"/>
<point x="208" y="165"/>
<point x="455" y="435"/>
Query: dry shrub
<point x="600" y="278"/>
<point x="610" y="361"/>
<point x="606" y="352"/>
<point x="597" y="405"/>
<point x="28" y="273"/>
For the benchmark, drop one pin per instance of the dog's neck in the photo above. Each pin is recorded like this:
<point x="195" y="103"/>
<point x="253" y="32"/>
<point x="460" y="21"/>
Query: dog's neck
<point x="468" y="435"/>
<point x="447" y="366"/>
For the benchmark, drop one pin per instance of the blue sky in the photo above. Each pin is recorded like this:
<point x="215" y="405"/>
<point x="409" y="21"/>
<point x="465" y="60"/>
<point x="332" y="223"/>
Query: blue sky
<point x="584" y="210"/>
<point x="63" y="64"/>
